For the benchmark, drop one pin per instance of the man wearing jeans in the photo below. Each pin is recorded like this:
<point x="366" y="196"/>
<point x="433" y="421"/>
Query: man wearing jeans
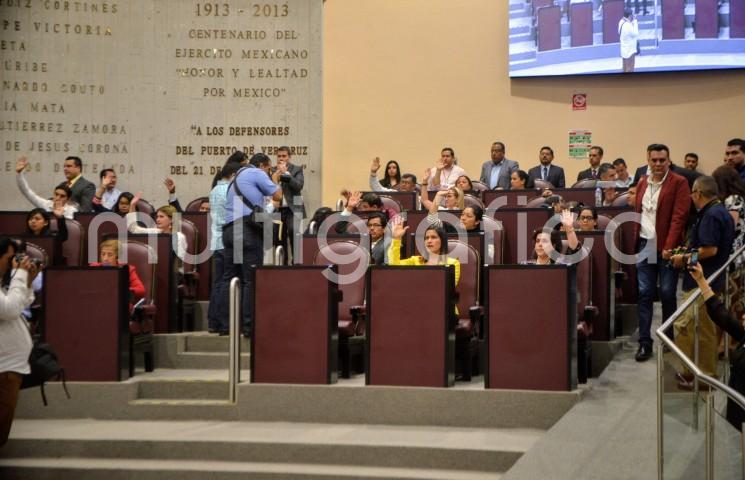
<point x="663" y="201"/>
<point x="249" y="187"/>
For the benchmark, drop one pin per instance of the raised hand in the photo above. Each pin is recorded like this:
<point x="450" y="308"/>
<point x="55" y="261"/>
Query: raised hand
<point x="375" y="165"/>
<point x="354" y="199"/>
<point x="397" y="228"/>
<point x="440" y="164"/>
<point x="170" y="185"/>
<point x="59" y="210"/>
<point x="106" y="181"/>
<point x="133" y="203"/>
<point x="567" y="219"/>
<point x="21" y="164"/>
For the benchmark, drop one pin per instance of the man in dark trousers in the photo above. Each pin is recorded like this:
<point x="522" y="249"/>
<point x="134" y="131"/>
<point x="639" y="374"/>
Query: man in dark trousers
<point x="82" y="190"/>
<point x="663" y="201"/>
<point x="246" y="194"/>
<point x="291" y="180"/>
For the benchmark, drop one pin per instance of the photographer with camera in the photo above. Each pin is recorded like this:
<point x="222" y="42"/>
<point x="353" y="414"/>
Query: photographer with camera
<point x="17" y="273"/>
<point x="709" y="243"/>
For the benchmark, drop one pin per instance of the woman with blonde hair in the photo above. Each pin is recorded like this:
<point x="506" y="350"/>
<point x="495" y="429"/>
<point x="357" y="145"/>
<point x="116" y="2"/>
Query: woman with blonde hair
<point x="163" y="224"/>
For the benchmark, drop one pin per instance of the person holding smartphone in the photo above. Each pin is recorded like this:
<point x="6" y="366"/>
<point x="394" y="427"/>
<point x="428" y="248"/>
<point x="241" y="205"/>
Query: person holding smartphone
<point x="709" y="243"/>
<point x="628" y="31"/>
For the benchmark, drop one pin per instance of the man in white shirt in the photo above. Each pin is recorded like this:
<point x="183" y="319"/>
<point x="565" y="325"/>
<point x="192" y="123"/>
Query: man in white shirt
<point x="107" y="192"/>
<point x="15" y="339"/>
<point x="445" y="173"/>
<point x="623" y="179"/>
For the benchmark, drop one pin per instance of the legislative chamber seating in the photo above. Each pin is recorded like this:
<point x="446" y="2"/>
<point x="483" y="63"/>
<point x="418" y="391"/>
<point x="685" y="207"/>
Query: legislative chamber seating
<point x="295" y="337"/>
<point x="530" y="340"/>
<point x="410" y="334"/>
<point x="391" y="204"/>
<point x="351" y="316"/>
<point x="542" y="184"/>
<point x="612" y="14"/>
<point x="74" y="247"/>
<point x="621" y="200"/>
<point x="143" y="206"/>
<point x="142" y="322"/>
<point x="586" y="314"/>
<point x="479" y="186"/>
<point x="194" y="205"/>
<point x="188" y="289"/>
<point x="86" y="313"/>
<point x="470" y="311"/>
<point x="407" y="200"/>
<point x="536" y="202"/>
<point x="580" y="22"/>
<point x="472" y="200"/>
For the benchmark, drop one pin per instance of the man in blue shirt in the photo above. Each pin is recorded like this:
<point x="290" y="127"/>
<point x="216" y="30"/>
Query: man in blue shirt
<point x="247" y="191"/>
<point x="711" y="240"/>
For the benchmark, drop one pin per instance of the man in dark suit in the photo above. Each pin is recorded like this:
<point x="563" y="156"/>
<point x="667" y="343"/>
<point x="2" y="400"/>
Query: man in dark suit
<point x="592" y="173"/>
<point x="291" y="180"/>
<point x="546" y="171"/>
<point x="376" y="224"/>
<point x="663" y="199"/>
<point x="82" y="190"/>
<point x="496" y="173"/>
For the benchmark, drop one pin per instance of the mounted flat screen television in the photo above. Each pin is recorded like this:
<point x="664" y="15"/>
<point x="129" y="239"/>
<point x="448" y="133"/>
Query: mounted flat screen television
<point x="580" y="37"/>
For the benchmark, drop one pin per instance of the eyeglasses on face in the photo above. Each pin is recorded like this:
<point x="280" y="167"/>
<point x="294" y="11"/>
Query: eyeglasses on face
<point x="586" y="218"/>
<point x="375" y="225"/>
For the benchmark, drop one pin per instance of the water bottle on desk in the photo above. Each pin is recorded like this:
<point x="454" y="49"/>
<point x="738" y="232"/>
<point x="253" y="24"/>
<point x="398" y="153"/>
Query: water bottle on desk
<point x="598" y="197"/>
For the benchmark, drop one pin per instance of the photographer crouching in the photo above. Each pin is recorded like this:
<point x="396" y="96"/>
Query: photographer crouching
<point x="17" y="273"/>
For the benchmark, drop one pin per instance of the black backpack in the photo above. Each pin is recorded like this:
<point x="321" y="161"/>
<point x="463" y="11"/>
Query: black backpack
<point x="44" y="367"/>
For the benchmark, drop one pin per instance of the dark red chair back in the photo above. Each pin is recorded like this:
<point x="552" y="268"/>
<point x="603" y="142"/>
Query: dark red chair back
<point x="391" y="204"/>
<point x="353" y="293"/>
<point x="73" y="247"/>
<point x="191" y="232"/>
<point x="194" y="205"/>
<point x="472" y="200"/>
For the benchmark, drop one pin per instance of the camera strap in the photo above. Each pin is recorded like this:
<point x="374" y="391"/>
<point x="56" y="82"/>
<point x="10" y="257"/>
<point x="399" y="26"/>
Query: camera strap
<point x="246" y="201"/>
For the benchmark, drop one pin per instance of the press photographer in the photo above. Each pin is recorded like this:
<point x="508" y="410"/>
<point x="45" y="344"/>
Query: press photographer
<point x="710" y="240"/>
<point x="17" y="273"/>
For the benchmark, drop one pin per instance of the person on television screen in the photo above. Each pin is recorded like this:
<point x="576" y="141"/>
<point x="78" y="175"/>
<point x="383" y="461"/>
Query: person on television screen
<point x="628" y="30"/>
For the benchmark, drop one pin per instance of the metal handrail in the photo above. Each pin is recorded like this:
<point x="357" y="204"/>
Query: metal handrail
<point x="699" y="376"/>
<point x="234" y="367"/>
<point x="340" y="205"/>
<point x="279" y="255"/>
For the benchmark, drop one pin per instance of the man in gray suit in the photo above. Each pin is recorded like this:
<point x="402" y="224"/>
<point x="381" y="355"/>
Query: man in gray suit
<point x="495" y="173"/>
<point x="546" y="171"/>
<point x="82" y="190"/>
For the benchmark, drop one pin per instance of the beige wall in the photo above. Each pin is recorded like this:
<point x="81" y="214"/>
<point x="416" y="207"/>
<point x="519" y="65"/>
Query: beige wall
<point x="402" y="78"/>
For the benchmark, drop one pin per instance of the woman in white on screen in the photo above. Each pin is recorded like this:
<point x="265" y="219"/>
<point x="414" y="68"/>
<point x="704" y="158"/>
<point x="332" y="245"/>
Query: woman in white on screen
<point x="628" y="30"/>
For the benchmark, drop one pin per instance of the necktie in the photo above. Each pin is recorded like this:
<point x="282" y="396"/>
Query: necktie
<point x="545" y="173"/>
<point x="594" y="173"/>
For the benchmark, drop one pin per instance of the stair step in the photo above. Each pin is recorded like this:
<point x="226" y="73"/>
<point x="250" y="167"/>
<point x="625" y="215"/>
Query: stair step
<point x="182" y="389"/>
<point x="200" y="360"/>
<point x="126" y="469"/>
<point x="411" y="447"/>
<point x="205" y="342"/>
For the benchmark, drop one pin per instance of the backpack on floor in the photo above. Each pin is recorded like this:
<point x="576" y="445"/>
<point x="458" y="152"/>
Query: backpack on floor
<point x="44" y="367"/>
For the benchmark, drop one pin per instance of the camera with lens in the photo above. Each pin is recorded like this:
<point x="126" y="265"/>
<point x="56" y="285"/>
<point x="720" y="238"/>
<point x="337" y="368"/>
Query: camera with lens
<point x="19" y="257"/>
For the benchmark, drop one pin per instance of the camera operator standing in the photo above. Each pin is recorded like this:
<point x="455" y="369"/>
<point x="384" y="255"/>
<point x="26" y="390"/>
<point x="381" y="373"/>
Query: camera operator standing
<point x="710" y="241"/>
<point x="15" y="339"/>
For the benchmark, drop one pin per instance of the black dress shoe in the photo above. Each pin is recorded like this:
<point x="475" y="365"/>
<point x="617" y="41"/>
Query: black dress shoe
<point x="644" y="353"/>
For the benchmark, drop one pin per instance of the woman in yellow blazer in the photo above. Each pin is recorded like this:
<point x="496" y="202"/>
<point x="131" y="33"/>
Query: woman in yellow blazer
<point x="435" y="242"/>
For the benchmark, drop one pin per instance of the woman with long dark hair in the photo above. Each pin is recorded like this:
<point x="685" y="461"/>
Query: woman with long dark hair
<point x="392" y="175"/>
